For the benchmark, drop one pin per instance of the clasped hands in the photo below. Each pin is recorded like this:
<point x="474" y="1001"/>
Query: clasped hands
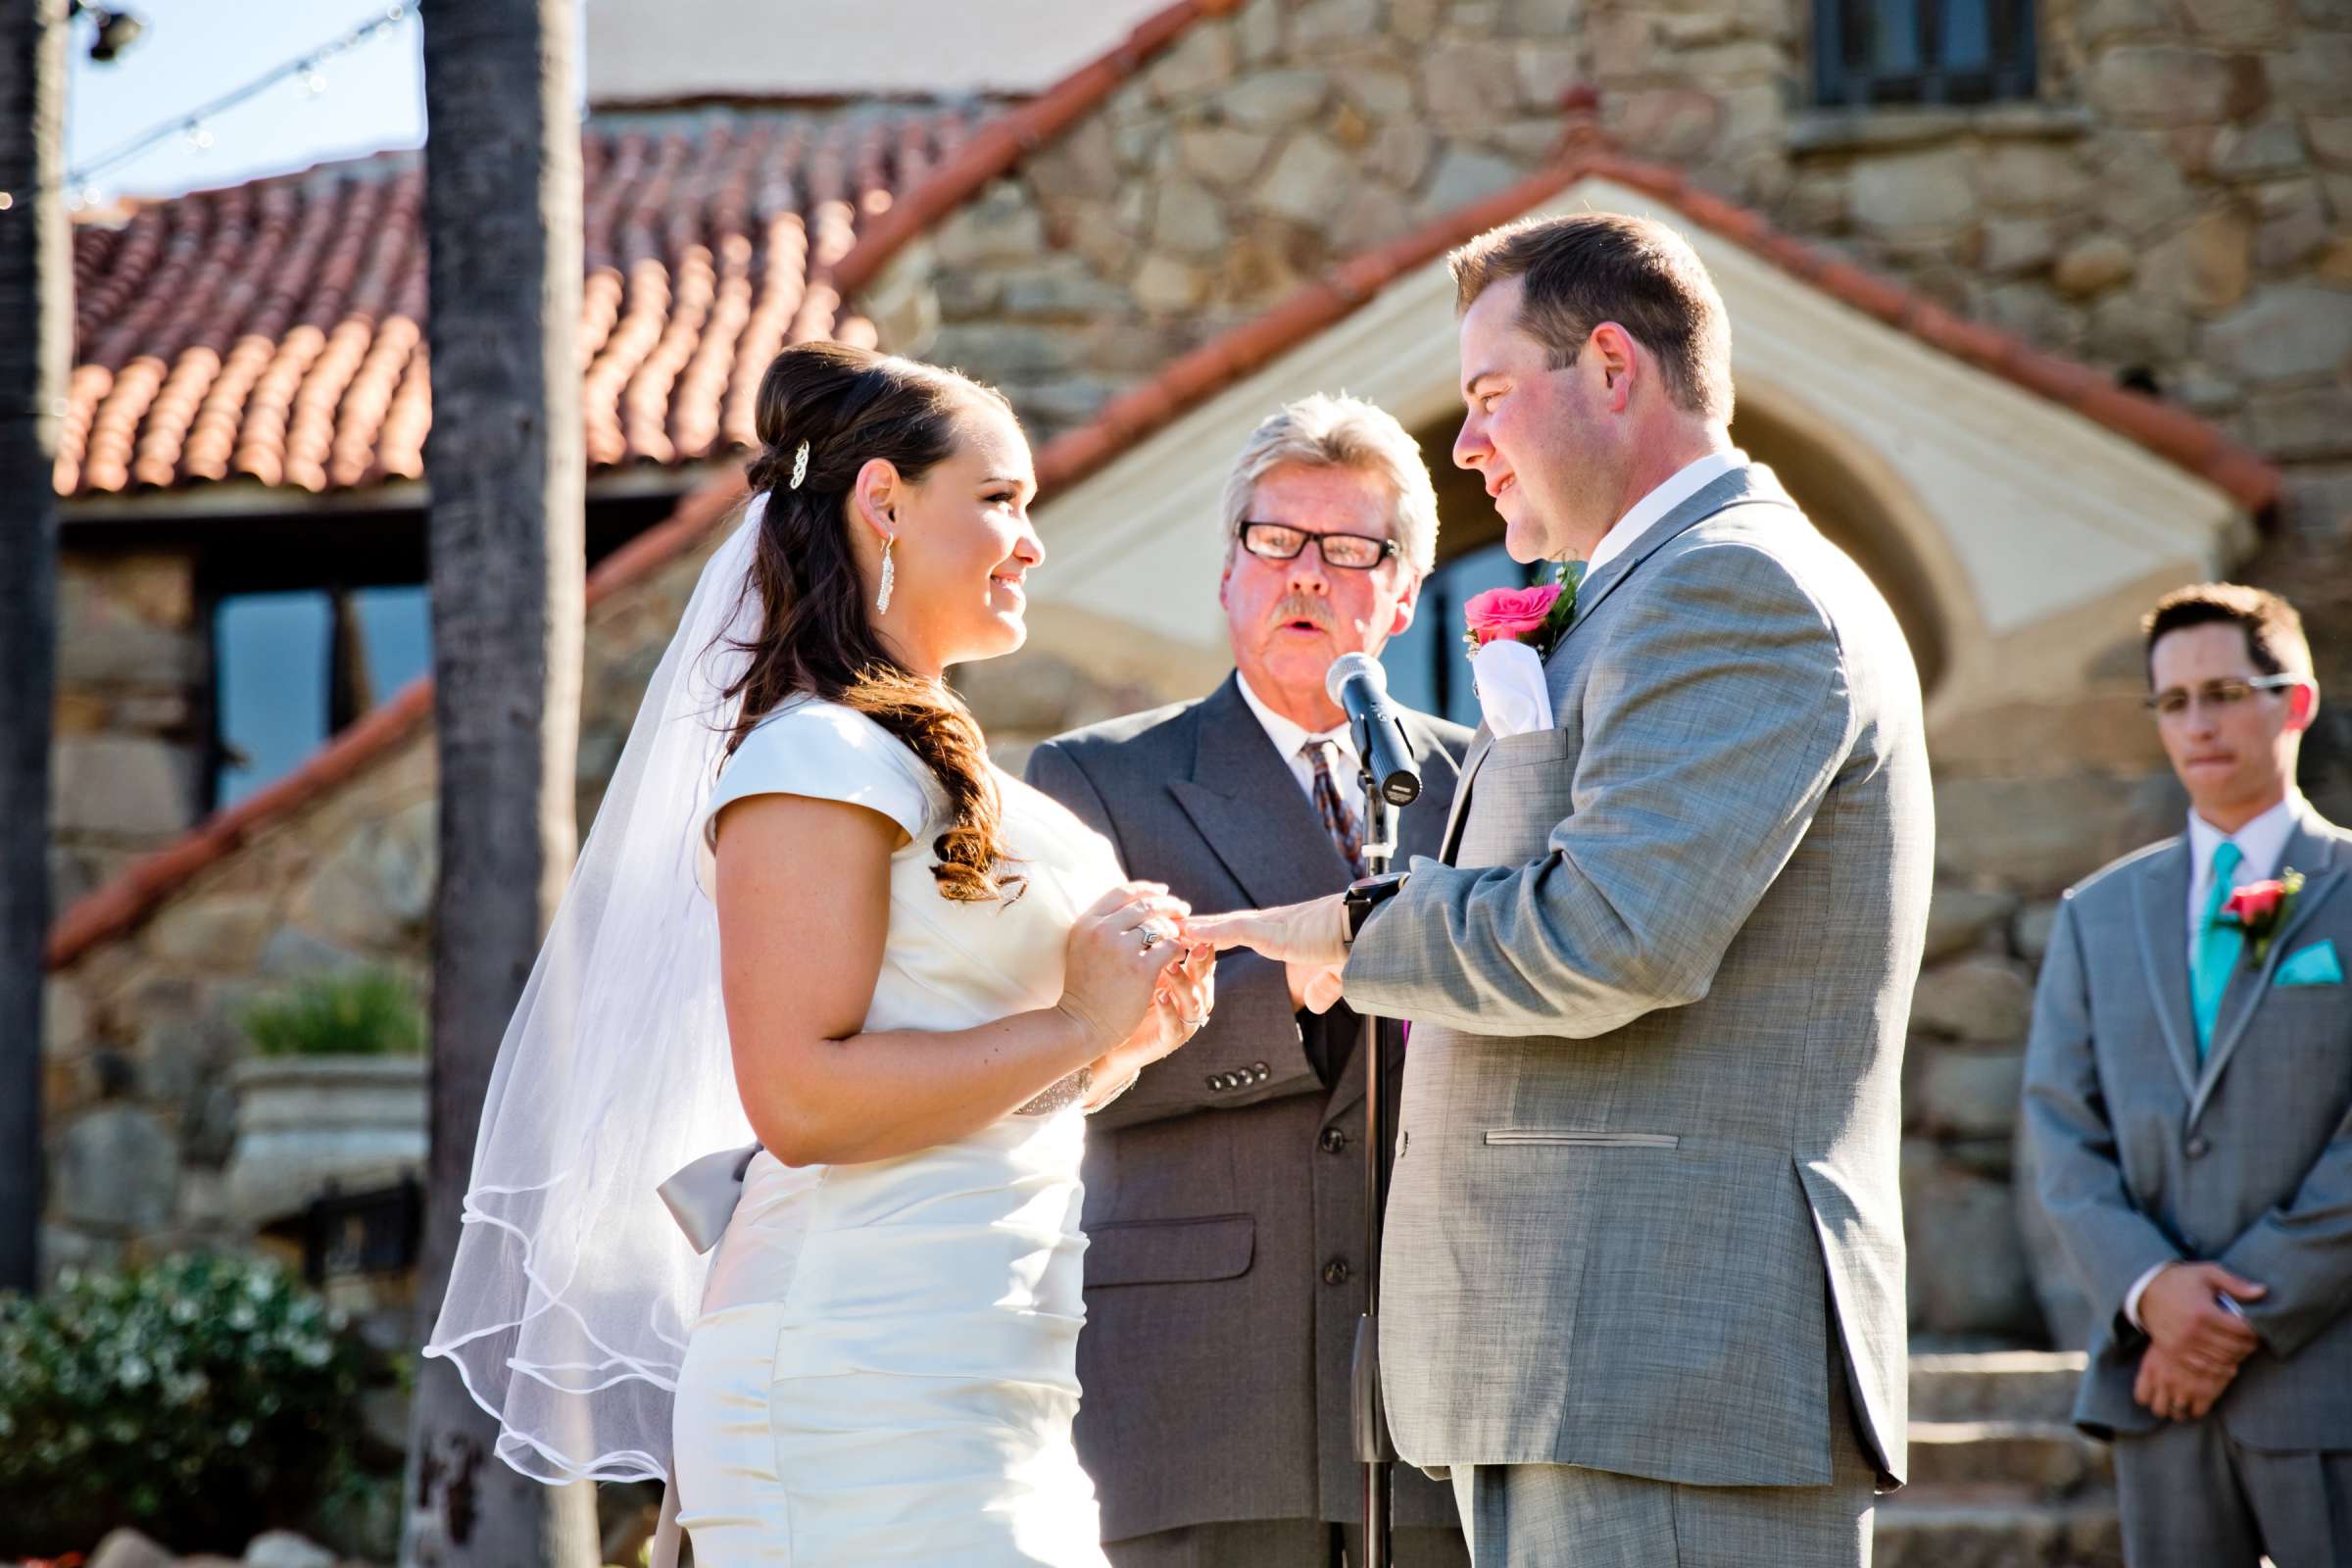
<point x="1308" y="939"/>
<point x="2195" y="1345"/>
<point x="1142" y="954"/>
<point x="1135" y="982"/>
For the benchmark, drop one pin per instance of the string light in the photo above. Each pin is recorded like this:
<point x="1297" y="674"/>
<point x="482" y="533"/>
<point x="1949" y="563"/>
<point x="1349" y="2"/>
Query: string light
<point x="192" y="125"/>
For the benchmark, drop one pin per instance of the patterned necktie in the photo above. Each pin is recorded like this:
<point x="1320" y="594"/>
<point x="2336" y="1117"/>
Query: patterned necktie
<point x="1339" y="822"/>
<point x="2218" y="944"/>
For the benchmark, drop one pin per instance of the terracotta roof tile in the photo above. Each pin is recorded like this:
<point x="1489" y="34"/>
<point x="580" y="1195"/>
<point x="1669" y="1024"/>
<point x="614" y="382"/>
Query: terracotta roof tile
<point x="783" y="203"/>
<point x="275" y="330"/>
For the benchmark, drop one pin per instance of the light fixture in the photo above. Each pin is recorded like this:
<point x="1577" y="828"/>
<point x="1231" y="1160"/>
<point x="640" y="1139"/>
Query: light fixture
<point x="117" y="31"/>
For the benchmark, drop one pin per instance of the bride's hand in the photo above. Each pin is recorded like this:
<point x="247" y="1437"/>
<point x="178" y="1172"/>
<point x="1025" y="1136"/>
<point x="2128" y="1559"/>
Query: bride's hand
<point x="1118" y="950"/>
<point x="1186" y="993"/>
<point x="1179" y="1008"/>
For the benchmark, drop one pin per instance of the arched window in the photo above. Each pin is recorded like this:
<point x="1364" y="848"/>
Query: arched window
<point x="1922" y="50"/>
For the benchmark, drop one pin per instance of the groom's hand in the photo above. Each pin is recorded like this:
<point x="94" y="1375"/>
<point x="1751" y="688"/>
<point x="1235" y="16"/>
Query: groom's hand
<point x="1313" y="988"/>
<point x="1310" y="940"/>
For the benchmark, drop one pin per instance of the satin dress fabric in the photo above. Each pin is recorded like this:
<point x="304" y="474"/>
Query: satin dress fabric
<point x="885" y="1368"/>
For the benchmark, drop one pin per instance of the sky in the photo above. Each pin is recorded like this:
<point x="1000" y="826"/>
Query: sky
<point x="373" y="97"/>
<point x="194" y="51"/>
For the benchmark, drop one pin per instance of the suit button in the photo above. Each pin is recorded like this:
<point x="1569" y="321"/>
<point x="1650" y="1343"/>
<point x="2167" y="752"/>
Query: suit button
<point x="1216" y="1082"/>
<point x="1260" y="1072"/>
<point x="1235" y="1080"/>
<point x="1334" y="1140"/>
<point x="1336" y="1272"/>
<point x="2198" y="1147"/>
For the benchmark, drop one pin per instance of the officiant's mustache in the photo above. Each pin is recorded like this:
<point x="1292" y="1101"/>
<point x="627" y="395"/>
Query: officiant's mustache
<point x="1302" y="606"/>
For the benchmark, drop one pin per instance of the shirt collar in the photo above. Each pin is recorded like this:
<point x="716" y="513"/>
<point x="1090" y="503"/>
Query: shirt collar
<point x="2262" y="841"/>
<point x="1649" y="511"/>
<point x="1287" y="735"/>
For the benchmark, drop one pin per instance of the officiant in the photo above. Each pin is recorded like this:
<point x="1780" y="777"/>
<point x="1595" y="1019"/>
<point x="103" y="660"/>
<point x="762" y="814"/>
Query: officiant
<point x="1225" y="1191"/>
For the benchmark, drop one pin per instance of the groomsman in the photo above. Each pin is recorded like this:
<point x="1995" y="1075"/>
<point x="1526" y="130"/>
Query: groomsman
<point x="2189" y="1091"/>
<point x="1224" y="1191"/>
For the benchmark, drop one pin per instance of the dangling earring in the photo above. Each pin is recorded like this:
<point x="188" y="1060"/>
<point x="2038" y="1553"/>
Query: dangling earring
<point x="890" y="575"/>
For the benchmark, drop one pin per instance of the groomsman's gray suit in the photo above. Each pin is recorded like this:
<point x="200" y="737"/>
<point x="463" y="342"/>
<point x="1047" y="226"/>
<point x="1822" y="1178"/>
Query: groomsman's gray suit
<point x="2144" y="1157"/>
<point x="1644" y="1219"/>
<point x="1224" y="1191"/>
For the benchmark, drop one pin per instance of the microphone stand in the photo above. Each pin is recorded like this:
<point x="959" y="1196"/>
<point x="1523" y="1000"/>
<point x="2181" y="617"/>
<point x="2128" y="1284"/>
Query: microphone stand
<point x="1371" y="1427"/>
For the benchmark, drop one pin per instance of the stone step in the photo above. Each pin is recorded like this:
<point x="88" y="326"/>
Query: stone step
<point x="1936" y="1530"/>
<point x="2048" y="1459"/>
<point x="1995" y="1386"/>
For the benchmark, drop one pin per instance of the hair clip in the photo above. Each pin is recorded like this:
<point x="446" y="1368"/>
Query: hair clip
<point x="800" y="466"/>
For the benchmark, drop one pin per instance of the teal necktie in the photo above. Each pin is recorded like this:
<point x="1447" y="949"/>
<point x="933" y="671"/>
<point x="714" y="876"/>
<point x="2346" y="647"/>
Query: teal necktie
<point x="2220" y="941"/>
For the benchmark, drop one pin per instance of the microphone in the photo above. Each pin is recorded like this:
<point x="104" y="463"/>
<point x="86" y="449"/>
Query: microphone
<point x="1360" y="687"/>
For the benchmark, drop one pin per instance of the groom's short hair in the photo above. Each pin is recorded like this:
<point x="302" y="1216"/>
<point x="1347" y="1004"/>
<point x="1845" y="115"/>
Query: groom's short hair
<point x="1589" y="267"/>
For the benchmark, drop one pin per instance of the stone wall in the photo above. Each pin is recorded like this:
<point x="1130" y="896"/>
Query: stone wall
<point x="1252" y="154"/>
<point x="127" y="760"/>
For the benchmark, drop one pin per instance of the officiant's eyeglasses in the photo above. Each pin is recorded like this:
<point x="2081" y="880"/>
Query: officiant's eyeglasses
<point x="1279" y="541"/>
<point x="2174" y="701"/>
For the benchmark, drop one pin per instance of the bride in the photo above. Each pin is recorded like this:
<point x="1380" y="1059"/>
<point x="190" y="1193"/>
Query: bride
<point x="812" y="914"/>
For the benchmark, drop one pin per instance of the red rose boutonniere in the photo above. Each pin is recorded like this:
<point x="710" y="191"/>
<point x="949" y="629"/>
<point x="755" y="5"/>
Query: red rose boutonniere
<point x="1537" y="616"/>
<point x="2260" y="909"/>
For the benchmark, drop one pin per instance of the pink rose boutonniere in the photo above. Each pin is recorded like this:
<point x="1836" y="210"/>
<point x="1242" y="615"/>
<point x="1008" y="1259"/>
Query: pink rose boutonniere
<point x="1538" y="616"/>
<point x="2260" y="909"/>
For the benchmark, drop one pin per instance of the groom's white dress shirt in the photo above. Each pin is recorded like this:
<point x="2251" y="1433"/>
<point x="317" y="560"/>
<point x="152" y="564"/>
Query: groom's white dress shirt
<point x="2261" y="845"/>
<point x="1289" y="739"/>
<point x="1649" y="511"/>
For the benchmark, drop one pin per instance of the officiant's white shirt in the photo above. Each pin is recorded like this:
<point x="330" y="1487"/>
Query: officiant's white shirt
<point x="1650" y="511"/>
<point x="1290" y="740"/>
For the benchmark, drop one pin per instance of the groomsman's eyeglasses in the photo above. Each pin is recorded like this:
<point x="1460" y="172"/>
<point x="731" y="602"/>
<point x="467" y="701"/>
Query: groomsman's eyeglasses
<point x="2173" y="702"/>
<point x="1279" y="541"/>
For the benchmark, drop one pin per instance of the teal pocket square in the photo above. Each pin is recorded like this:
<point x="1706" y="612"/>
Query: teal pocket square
<point x="2314" y="966"/>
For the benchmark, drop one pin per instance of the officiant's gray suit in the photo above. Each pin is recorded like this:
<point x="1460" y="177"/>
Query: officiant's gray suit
<point x="2146" y="1155"/>
<point x="1644" y="1222"/>
<point x="1225" y="1191"/>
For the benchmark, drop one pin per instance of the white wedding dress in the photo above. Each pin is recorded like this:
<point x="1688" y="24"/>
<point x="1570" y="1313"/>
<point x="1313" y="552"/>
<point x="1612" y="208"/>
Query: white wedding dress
<point x="884" y="1371"/>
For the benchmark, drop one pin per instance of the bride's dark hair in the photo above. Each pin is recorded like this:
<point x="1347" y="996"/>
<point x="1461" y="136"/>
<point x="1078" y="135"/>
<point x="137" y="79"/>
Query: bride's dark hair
<point x="851" y="406"/>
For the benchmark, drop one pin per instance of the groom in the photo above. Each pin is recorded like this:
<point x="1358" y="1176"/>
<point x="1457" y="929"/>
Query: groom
<point x="1643" y="1294"/>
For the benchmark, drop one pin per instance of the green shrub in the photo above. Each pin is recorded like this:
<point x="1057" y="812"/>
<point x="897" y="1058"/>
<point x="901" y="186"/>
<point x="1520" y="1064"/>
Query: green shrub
<point x="201" y="1399"/>
<point x="364" y="1012"/>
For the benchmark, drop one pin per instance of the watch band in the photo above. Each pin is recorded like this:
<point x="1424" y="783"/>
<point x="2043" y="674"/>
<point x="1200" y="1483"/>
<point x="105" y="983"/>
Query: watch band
<point x="1366" y="894"/>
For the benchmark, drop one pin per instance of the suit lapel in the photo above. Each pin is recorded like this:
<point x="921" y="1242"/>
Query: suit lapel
<point x="1247" y="806"/>
<point x="2161" y="902"/>
<point x="1480" y="745"/>
<point x="2321" y="862"/>
<point x="1751" y="482"/>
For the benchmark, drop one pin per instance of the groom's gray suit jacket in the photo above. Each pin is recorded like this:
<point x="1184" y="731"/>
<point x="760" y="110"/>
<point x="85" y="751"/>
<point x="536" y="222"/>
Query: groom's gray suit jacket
<point x="1225" y="1191"/>
<point x="2145" y="1155"/>
<point x="1645" y="1184"/>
